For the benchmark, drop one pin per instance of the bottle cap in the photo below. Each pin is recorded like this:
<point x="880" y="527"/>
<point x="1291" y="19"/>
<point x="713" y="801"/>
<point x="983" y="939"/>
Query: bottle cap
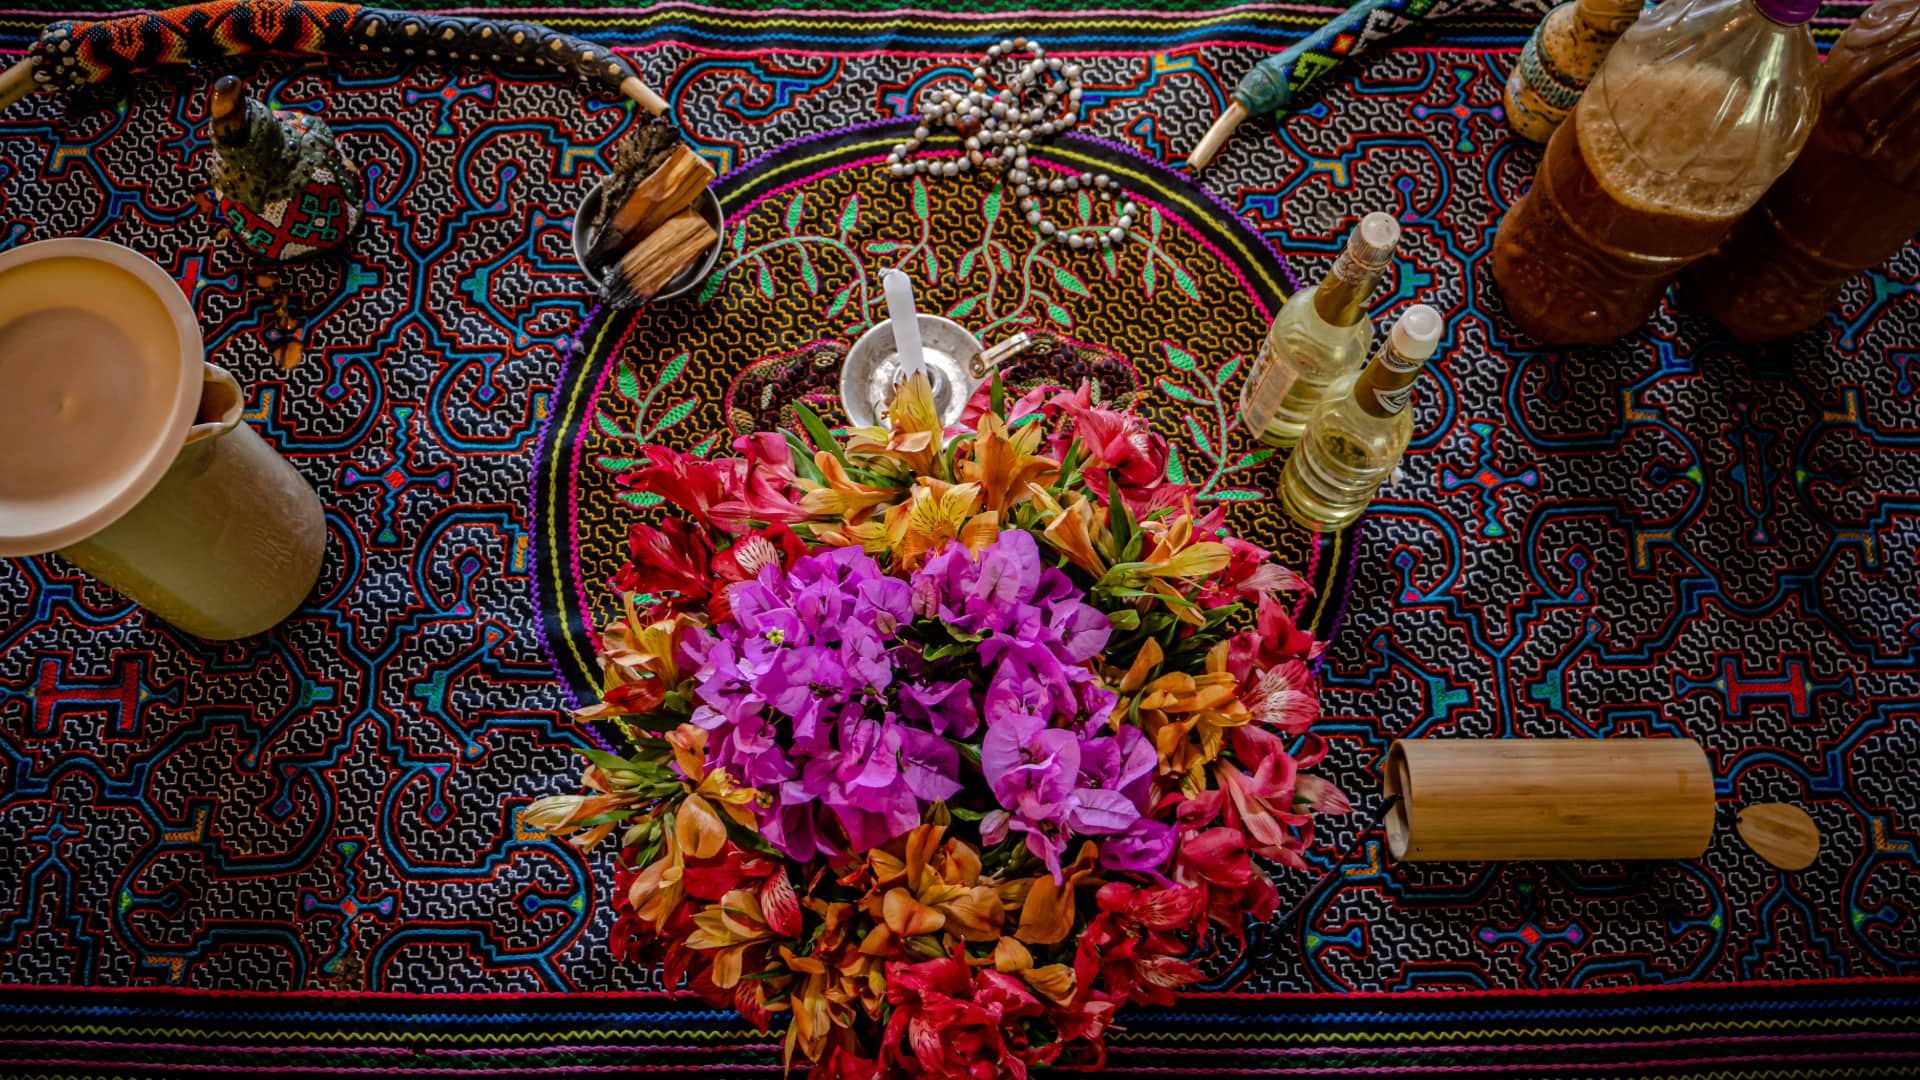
<point x="1417" y="333"/>
<point x="1374" y="239"/>
<point x="1787" y="12"/>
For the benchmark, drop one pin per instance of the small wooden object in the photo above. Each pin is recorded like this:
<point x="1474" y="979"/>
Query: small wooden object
<point x="16" y="82"/>
<point x="663" y="194"/>
<point x="1495" y="800"/>
<point x="643" y="272"/>
<point x="1560" y="59"/>
<point x="1783" y="835"/>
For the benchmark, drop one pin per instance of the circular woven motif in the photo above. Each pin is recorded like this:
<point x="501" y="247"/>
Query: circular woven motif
<point x="1168" y="321"/>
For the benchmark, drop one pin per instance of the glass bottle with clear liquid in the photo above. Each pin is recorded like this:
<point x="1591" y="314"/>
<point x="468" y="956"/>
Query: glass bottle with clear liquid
<point x="1319" y="341"/>
<point x="1351" y="445"/>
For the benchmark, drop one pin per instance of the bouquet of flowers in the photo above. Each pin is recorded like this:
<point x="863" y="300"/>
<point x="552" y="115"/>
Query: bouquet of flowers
<point x="953" y="741"/>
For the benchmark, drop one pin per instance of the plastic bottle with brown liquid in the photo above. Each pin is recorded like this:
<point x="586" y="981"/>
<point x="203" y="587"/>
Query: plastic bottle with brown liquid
<point x="1698" y="108"/>
<point x="1851" y="199"/>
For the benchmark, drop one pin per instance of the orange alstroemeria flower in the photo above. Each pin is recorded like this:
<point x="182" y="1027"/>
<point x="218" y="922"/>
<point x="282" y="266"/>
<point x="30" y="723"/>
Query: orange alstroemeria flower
<point x="1072" y="529"/>
<point x="1004" y="465"/>
<point x="842" y="497"/>
<point x="637" y="664"/>
<point x="928" y="888"/>
<point x="913" y="434"/>
<point x="1046" y="912"/>
<point x="936" y="513"/>
<point x="1188" y="716"/>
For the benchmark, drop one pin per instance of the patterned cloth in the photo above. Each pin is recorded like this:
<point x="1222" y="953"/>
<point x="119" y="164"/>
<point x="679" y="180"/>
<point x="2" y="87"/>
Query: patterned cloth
<point x="1669" y="536"/>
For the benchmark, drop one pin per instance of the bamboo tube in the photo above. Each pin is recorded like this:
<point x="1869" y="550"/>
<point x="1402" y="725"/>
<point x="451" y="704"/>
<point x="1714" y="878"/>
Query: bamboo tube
<point x="16" y="82"/>
<point x="1494" y="800"/>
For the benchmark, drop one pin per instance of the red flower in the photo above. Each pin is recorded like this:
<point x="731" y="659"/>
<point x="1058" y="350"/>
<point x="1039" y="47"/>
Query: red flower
<point x="949" y="1023"/>
<point x="843" y="1064"/>
<point x="777" y="545"/>
<point x="1251" y="573"/>
<point x="766" y="486"/>
<point x="695" y="485"/>
<point x="1233" y="889"/>
<point x="1132" y="948"/>
<point x="673" y="558"/>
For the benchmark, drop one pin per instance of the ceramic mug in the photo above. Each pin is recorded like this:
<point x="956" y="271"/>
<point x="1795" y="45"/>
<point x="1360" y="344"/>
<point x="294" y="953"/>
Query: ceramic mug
<point x="126" y="451"/>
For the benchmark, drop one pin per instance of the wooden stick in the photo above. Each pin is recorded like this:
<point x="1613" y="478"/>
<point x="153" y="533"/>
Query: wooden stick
<point x="1493" y="800"/>
<point x="637" y="90"/>
<point x="659" y="256"/>
<point x="17" y="82"/>
<point x="1216" y="136"/>
<point x="665" y="192"/>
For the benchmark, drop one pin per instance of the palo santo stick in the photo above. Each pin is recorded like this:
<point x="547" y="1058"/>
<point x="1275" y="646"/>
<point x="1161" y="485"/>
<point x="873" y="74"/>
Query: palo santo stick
<point x="665" y="192"/>
<point x="643" y="272"/>
<point x="16" y="82"/>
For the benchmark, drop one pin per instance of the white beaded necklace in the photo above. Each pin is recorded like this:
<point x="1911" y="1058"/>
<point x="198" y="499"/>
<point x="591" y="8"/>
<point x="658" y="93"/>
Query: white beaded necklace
<point x="996" y="129"/>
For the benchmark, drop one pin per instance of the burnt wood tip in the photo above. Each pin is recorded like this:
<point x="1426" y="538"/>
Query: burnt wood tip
<point x="227" y="105"/>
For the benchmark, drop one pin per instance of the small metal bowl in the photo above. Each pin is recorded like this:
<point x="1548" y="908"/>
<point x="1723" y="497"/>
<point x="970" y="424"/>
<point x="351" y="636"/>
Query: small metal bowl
<point x="683" y="282"/>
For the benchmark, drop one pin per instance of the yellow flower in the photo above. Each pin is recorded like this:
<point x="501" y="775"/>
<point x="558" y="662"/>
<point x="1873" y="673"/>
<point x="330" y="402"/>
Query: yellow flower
<point x="728" y="929"/>
<point x="1004" y="465"/>
<point x="1188" y="716"/>
<point x="913" y="434"/>
<point x="637" y="665"/>
<point x="1175" y="555"/>
<point x="1072" y="529"/>
<point x="938" y="512"/>
<point x="928" y="888"/>
<point x="843" y="497"/>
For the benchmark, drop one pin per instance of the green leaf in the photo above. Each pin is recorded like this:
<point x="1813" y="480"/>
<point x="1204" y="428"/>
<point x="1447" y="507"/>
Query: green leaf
<point x="840" y="300"/>
<point x="611" y="762"/>
<point x="795" y="209"/>
<point x="672" y="371"/>
<point x="1178" y="356"/>
<point x="1119" y="517"/>
<point x="807" y="275"/>
<point x="740" y="239"/>
<point x="1006" y="259"/>
<point x="817" y="432"/>
<point x="997" y="395"/>
<point x="713" y="285"/>
<point x="1176" y="473"/>
<point x="705" y="446"/>
<point x="1200" y="438"/>
<point x="608" y="428"/>
<point x="1184" y="282"/>
<point x="1070" y="281"/>
<point x="992" y="208"/>
<point x="1251" y="458"/>
<point x="850" y="216"/>
<point x="961" y="813"/>
<point x="1227" y="370"/>
<point x="968" y="753"/>
<point x="881" y="247"/>
<point x="1178" y="392"/>
<point x="1084" y="204"/>
<point x="1147" y="275"/>
<point x="961" y="309"/>
<point x="679" y="412"/>
<point x="618" y="464"/>
<point x="639" y="500"/>
<point x="920" y="198"/>
<point x="1111" y="260"/>
<point x="966" y="263"/>
<point x="933" y="268"/>
<point x="627" y="382"/>
<point x="1153" y="221"/>
<point x="1234" y="495"/>
<point x="1059" y="315"/>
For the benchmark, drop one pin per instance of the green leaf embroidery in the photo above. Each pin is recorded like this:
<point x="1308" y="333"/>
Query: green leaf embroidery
<point x="1070" y="281"/>
<point x="740" y="239"/>
<point x="840" y="300"/>
<point x="607" y="427"/>
<point x="1059" y="315"/>
<point x="933" y="268"/>
<point x="1234" y="495"/>
<point x="881" y="247"/>
<point x="1147" y="276"/>
<point x="628" y="383"/>
<point x="1110" y="260"/>
<point x="966" y="264"/>
<point x="766" y="280"/>
<point x="1006" y="260"/>
<point x="920" y="198"/>
<point x="639" y="499"/>
<point x="712" y="286"/>
<point x="1200" y="437"/>
<point x="670" y="373"/>
<point x="850" y="216"/>
<point x="1178" y="392"/>
<point x="795" y="209"/>
<point x="1153" y="221"/>
<point x="992" y="209"/>
<point x="705" y="446"/>
<point x="1184" y="281"/>
<point x="1178" y="356"/>
<point x="1227" y="371"/>
<point x="806" y="273"/>
<point x="679" y="412"/>
<point x="617" y="464"/>
<point x="964" y="307"/>
<point x="1084" y="204"/>
<point x="1251" y="458"/>
<point x="1176" y="473"/>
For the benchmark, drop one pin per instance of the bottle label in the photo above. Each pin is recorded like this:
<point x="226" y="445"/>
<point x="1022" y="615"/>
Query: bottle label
<point x="1393" y="400"/>
<point x="1267" y="387"/>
